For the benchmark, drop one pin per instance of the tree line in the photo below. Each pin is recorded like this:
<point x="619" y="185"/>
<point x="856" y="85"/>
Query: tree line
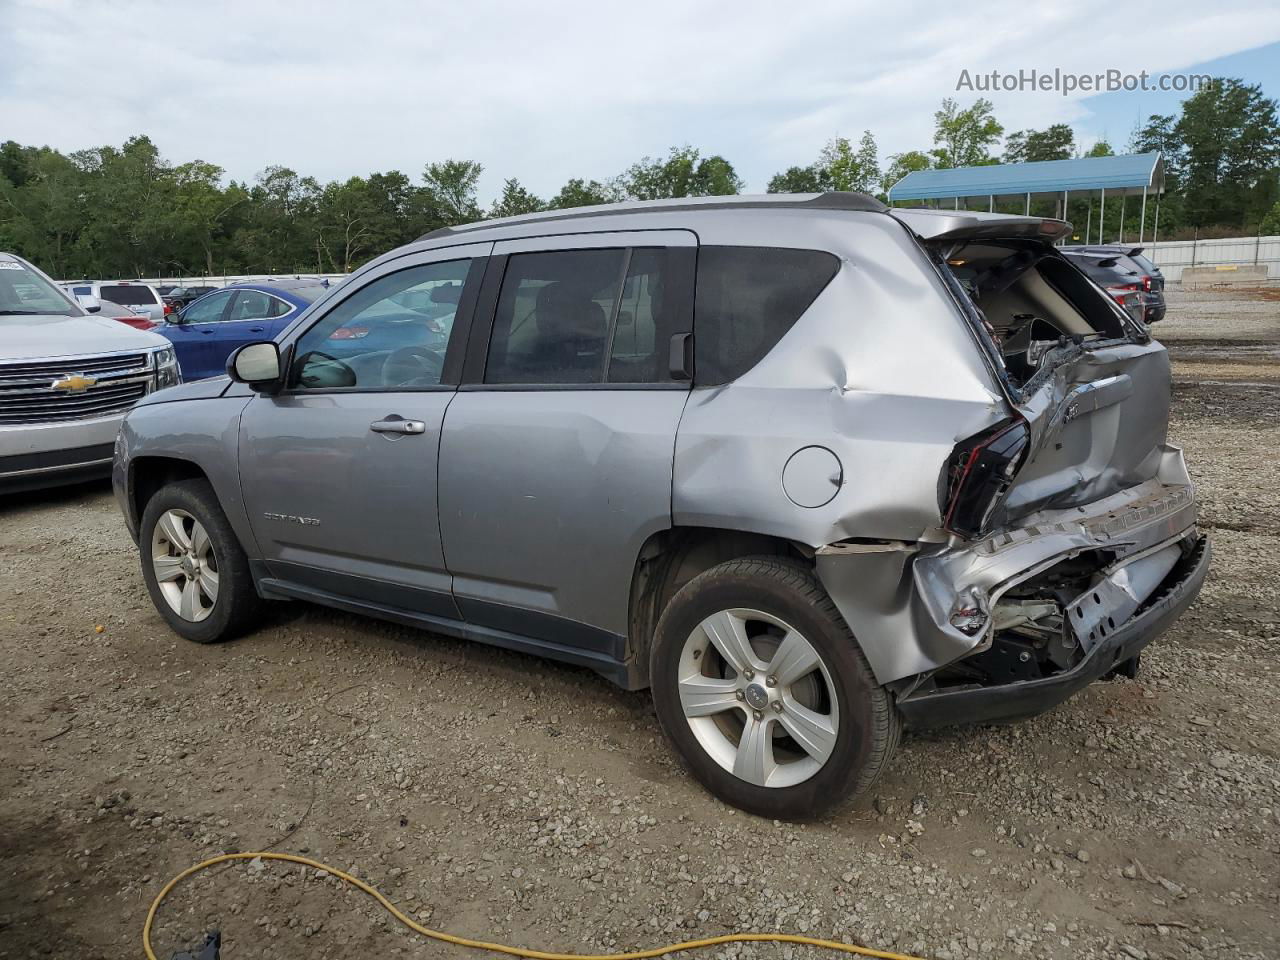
<point x="125" y="211"/>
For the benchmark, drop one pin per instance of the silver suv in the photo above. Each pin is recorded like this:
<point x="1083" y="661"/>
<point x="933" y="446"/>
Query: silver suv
<point x="808" y="468"/>
<point x="66" y="379"/>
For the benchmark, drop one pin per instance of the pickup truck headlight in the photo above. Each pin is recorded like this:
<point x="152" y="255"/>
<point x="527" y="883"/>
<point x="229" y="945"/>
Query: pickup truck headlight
<point x="164" y="363"/>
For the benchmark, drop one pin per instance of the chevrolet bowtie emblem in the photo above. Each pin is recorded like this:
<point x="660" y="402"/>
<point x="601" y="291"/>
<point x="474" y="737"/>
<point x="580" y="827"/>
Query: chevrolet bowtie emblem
<point x="75" y="383"/>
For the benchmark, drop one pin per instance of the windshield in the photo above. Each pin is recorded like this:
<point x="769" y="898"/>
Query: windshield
<point x="23" y="291"/>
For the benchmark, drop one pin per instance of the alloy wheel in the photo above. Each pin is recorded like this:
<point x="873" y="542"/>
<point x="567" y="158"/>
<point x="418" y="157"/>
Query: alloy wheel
<point x="185" y="565"/>
<point x="758" y="698"/>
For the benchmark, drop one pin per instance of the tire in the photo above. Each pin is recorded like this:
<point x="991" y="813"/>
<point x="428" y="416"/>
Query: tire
<point x="236" y="604"/>
<point x="855" y="721"/>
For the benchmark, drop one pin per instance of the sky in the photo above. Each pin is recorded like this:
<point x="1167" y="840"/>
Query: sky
<point x="551" y="90"/>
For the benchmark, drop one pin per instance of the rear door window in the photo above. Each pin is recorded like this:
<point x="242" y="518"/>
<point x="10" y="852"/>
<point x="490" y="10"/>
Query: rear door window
<point x="251" y="305"/>
<point x="130" y="295"/>
<point x="601" y="315"/>
<point x="653" y="306"/>
<point x="747" y="299"/>
<point x="554" y="314"/>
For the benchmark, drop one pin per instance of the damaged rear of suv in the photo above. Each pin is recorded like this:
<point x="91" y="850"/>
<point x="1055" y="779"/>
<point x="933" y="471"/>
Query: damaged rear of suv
<point x="808" y="468"/>
<point x="1073" y="520"/>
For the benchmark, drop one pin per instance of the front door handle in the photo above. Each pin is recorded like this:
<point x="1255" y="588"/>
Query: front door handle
<point x="395" y="424"/>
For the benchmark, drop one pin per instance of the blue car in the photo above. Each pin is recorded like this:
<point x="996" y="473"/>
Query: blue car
<point x="207" y="330"/>
<point x="421" y="316"/>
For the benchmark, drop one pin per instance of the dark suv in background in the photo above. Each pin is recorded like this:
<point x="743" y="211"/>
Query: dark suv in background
<point x="1133" y="280"/>
<point x="180" y="297"/>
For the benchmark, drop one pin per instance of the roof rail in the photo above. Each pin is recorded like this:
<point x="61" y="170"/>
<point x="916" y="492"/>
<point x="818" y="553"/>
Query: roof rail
<point x="836" y="200"/>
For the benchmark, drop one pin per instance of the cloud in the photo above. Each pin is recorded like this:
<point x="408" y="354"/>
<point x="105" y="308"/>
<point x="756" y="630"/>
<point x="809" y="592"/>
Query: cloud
<point x="552" y="90"/>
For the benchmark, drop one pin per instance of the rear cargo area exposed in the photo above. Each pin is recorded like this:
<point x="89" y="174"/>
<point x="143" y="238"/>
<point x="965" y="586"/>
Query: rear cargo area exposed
<point x="1090" y="384"/>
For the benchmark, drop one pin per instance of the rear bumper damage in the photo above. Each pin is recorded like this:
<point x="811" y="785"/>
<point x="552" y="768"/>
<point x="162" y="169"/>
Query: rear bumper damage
<point x="1029" y="697"/>
<point x="918" y="610"/>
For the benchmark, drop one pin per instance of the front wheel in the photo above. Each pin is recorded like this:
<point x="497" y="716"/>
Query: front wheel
<point x="193" y="565"/>
<point x="764" y="692"/>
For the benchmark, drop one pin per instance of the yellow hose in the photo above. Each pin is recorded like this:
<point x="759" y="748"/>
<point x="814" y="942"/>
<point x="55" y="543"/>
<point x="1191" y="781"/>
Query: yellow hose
<point x="502" y="947"/>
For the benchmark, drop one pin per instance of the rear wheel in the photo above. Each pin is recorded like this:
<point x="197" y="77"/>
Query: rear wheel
<point x="765" y="693"/>
<point x="193" y="565"/>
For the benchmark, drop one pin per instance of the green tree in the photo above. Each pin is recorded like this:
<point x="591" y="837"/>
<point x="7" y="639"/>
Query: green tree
<point x="1100" y="149"/>
<point x="278" y="231"/>
<point x="131" y="192"/>
<point x="15" y="160"/>
<point x="345" y="221"/>
<point x="43" y="209"/>
<point x="1231" y="138"/>
<point x="963" y="138"/>
<point x="847" y="168"/>
<point x="682" y="173"/>
<point x="200" y="208"/>
<point x="1056" y="142"/>
<point x="808" y="179"/>
<point x="450" y="191"/>
<point x="515" y="200"/>
<point x="715" y="177"/>
<point x="1159" y="135"/>
<point x="1270" y="225"/>
<point x="900" y="164"/>
<point x="583" y="193"/>
<point x="840" y="166"/>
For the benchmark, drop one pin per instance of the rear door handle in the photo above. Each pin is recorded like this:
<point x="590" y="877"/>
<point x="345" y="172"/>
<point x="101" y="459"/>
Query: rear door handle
<point x="394" y="424"/>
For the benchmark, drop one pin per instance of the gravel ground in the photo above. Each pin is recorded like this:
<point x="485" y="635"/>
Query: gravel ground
<point x="499" y="796"/>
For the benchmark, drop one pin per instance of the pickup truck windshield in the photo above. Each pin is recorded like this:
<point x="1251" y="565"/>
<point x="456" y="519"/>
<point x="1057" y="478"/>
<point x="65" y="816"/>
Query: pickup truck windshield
<point x="24" y="292"/>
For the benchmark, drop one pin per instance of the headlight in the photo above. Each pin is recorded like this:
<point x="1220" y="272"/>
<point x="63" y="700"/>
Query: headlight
<point x="165" y="364"/>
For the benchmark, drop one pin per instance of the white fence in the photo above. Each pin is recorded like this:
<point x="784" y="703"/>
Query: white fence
<point x="248" y="278"/>
<point x="191" y="281"/>
<point x="1171" y="257"/>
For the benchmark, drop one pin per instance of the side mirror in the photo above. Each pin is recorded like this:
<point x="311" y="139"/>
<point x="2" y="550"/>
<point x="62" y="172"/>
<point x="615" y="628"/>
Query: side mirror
<point x="88" y="303"/>
<point x="257" y="364"/>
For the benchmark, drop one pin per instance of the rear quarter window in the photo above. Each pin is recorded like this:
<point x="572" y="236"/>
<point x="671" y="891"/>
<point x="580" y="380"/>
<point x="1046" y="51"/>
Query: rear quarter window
<point x="747" y="299"/>
<point x="128" y="294"/>
<point x="1145" y="265"/>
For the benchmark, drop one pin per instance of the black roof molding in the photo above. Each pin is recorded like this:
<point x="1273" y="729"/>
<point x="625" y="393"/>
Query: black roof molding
<point x="837" y="200"/>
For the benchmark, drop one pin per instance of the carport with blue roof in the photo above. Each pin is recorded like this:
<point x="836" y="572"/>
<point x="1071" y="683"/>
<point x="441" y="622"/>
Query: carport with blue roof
<point x="1140" y="174"/>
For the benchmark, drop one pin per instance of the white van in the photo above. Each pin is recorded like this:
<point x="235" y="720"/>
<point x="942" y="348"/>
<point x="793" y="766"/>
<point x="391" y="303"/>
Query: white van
<point x="139" y="297"/>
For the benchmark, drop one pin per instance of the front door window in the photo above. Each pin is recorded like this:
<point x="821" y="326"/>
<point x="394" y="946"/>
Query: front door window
<point x="392" y="334"/>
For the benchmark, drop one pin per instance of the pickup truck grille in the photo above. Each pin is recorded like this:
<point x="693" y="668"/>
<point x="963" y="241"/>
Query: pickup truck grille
<point x="28" y="394"/>
<point x="27" y="370"/>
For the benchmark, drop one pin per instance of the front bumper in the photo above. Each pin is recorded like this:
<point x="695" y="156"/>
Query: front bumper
<point x="1027" y="698"/>
<point x="47" y="455"/>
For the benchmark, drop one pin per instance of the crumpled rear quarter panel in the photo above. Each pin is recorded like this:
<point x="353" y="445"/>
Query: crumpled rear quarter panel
<point x="881" y="370"/>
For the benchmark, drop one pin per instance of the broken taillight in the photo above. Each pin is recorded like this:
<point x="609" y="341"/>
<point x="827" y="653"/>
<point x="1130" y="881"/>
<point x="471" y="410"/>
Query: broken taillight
<point x="979" y="474"/>
<point x="1120" y="292"/>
